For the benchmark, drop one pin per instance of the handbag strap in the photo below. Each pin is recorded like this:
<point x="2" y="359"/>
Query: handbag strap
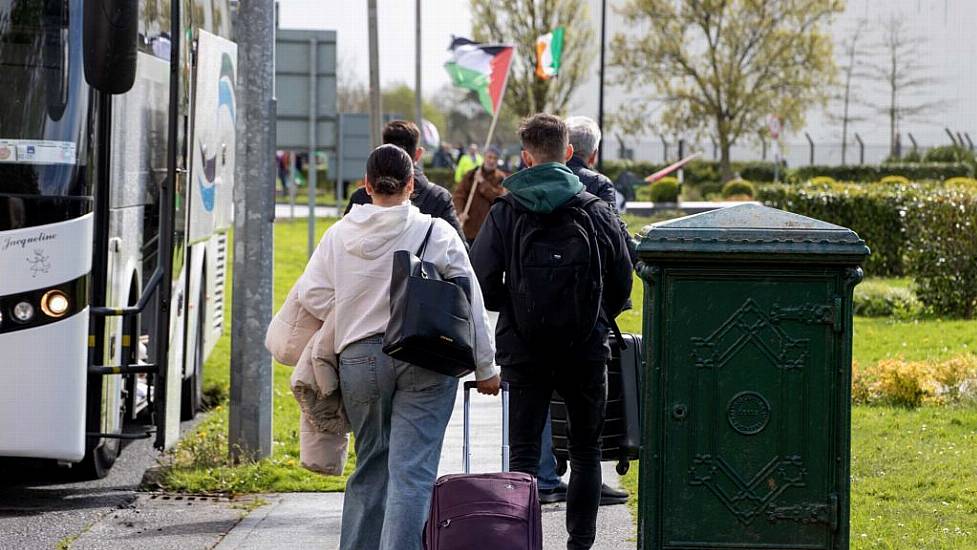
<point x="420" y="250"/>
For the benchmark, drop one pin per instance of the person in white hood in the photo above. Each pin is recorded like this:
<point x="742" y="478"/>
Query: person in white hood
<point x="398" y="412"/>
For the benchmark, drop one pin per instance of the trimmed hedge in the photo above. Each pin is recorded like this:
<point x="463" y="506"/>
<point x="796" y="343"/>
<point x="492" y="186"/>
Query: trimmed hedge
<point x="923" y="230"/>
<point x="950" y="153"/>
<point x="445" y="177"/>
<point x="921" y="171"/>
<point x="942" y="253"/>
<point x="706" y="172"/>
<point x="664" y="190"/>
<point x="878" y="299"/>
<point x="696" y="172"/>
<point x="739" y="188"/>
<point x="872" y="211"/>
<point x="759" y="171"/>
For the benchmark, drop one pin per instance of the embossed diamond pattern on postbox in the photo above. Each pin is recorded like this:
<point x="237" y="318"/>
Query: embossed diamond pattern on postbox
<point x="747" y="428"/>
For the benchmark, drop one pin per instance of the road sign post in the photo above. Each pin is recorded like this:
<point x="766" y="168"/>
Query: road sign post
<point x="313" y="167"/>
<point x="305" y="76"/>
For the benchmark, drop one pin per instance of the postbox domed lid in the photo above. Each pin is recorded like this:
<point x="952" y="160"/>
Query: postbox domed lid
<point x="751" y="230"/>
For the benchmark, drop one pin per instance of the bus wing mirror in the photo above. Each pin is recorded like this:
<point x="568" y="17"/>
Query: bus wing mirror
<point x="110" y="33"/>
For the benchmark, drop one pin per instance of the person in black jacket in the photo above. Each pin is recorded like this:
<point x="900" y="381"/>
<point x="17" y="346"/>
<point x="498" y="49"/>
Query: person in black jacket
<point x="584" y="136"/>
<point x="585" y="139"/>
<point x="429" y="198"/>
<point x="577" y="369"/>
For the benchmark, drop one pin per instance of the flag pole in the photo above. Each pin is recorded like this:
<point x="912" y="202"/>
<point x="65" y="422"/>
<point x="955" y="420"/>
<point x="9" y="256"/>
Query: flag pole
<point x="488" y="142"/>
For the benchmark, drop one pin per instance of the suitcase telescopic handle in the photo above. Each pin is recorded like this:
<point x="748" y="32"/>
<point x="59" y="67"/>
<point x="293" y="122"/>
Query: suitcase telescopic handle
<point x="466" y="447"/>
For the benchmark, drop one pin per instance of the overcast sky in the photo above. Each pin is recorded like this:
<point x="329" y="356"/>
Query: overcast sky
<point x="395" y="19"/>
<point x="948" y="27"/>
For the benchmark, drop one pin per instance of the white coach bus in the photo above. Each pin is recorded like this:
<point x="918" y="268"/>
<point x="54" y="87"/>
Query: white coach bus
<point x="117" y="146"/>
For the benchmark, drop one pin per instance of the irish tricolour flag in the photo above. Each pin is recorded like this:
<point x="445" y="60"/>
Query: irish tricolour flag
<point x="549" y="50"/>
<point x="480" y="67"/>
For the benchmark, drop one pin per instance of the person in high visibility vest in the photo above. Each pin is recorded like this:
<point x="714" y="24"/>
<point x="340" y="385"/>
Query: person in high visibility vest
<point x="467" y="162"/>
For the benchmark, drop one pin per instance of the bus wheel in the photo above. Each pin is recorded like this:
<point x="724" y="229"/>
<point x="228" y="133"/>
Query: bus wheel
<point x="192" y="393"/>
<point x="97" y="462"/>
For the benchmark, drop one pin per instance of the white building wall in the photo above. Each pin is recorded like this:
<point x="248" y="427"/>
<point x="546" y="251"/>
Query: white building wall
<point x="950" y="48"/>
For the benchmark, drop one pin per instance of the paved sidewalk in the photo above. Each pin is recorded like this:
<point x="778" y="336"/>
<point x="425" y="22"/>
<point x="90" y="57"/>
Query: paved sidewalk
<point x="163" y="522"/>
<point x="312" y="520"/>
<point x="293" y="520"/>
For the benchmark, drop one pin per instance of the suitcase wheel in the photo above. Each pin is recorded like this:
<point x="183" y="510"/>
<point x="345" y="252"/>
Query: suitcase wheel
<point x="561" y="466"/>
<point x="622" y="467"/>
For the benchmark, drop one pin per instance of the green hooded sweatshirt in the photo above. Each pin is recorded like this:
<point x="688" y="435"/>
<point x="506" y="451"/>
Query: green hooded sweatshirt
<point x="543" y="188"/>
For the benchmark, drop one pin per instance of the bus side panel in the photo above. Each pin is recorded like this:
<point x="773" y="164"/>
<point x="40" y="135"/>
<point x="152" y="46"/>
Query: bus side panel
<point x="217" y="256"/>
<point x="198" y="273"/>
<point x="174" y="376"/>
<point x="213" y="143"/>
<point x="137" y="168"/>
<point x="125" y="270"/>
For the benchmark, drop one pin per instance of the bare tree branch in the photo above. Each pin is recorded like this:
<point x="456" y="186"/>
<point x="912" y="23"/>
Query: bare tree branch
<point x="722" y="66"/>
<point x="904" y="75"/>
<point x="521" y="22"/>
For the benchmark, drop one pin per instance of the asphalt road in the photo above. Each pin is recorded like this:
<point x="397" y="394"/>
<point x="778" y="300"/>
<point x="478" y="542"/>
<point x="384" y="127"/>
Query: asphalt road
<point x="41" y="507"/>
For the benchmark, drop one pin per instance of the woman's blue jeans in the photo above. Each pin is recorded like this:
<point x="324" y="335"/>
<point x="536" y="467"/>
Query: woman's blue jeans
<point x="398" y="413"/>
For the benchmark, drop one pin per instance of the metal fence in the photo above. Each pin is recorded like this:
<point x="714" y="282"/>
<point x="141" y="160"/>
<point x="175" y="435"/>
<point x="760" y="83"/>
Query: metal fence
<point x="795" y="153"/>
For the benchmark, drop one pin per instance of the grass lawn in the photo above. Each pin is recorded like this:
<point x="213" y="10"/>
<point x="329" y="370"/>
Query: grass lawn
<point x="914" y="478"/>
<point x="325" y="195"/>
<point x="930" y="339"/>
<point x="914" y="473"/>
<point x="199" y="463"/>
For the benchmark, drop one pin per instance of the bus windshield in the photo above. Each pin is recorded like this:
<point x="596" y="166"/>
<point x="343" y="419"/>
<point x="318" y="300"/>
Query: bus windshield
<point x="43" y="97"/>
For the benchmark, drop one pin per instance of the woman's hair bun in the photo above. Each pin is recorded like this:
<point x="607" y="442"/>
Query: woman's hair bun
<point x="387" y="185"/>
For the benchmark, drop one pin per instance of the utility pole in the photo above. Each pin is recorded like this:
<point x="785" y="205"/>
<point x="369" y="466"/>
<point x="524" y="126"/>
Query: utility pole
<point x="313" y="134"/>
<point x="249" y="430"/>
<point x="375" y="107"/>
<point x="419" y="114"/>
<point x="600" y="87"/>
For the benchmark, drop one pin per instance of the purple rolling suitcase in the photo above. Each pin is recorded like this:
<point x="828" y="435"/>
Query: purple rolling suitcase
<point x="490" y="511"/>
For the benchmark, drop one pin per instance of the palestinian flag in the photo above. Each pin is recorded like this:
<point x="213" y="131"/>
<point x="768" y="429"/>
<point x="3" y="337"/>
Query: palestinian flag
<point x="483" y="68"/>
<point x="549" y="50"/>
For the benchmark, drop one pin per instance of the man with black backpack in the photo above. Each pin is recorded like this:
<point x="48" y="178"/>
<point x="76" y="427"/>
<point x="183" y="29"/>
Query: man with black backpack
<point x="551" y="258"/>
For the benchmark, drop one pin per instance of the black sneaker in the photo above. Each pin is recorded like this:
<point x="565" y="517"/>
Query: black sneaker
<point x="609" y="496"/>
<point x="554" y="495"/>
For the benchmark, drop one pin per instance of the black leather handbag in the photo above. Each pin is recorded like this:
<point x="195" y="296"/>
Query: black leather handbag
<point x="430" y="317"/>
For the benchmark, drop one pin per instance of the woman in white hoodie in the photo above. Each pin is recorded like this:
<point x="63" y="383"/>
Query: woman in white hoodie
<point x="398" y="411"/>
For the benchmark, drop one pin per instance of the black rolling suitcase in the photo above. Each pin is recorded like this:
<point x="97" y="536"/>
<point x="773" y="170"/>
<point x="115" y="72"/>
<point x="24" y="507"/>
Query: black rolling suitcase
<point x="621" y="439"/>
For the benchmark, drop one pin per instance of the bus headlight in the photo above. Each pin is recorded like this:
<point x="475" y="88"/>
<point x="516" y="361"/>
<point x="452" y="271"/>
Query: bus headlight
<point x="54" y="303"/>
<point x="23" y="312"/>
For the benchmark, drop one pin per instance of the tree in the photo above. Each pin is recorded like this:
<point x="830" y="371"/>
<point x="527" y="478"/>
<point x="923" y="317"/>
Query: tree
<point x="467" y="122"/>
<point x="351" y="93"/>
<point x="521" y="22"/>
<point x="851" y="68"/>
<point x="720" y="67"/>
<point x="352" y="96"/>
<point x="904" y="74"/>
<point x="399" y="100"/>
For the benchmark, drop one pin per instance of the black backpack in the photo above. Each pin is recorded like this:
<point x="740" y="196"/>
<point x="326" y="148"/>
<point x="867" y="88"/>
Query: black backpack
<point x="554" y="279"/>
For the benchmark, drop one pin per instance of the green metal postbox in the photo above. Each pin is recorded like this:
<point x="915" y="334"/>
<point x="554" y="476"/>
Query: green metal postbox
<point x="746" y="428"/>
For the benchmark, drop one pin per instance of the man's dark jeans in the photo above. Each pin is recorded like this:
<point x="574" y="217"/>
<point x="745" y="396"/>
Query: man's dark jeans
<point x="583" y="386"/>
